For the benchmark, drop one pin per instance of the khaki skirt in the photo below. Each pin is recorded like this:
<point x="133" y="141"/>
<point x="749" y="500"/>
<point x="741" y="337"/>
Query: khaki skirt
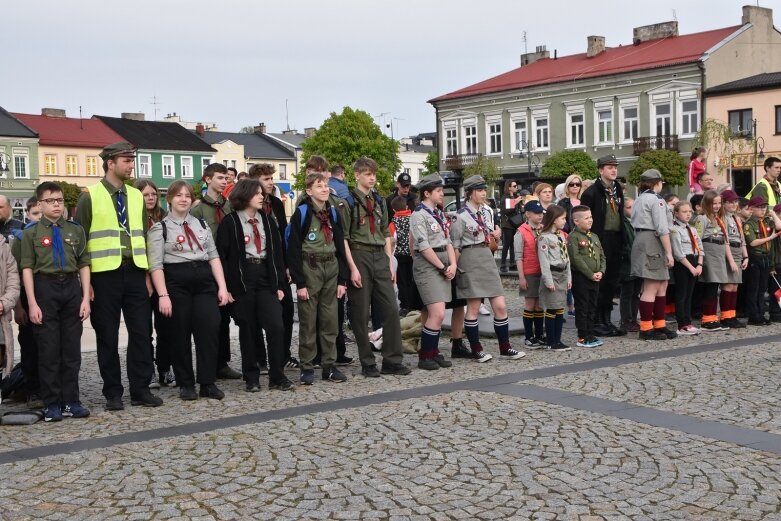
<point x="532" y="287"/>
<point x="432" y="286"/>
<point x="735" y="277"/>
<point x="556" y="299"/>
<point x="714" y="264"/>
<point x="648" y="258"/>
<point x="477" y="276"/>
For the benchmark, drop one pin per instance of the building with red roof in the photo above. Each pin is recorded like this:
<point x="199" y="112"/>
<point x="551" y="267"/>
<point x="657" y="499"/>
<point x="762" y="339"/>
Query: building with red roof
<point x="624" y="100"/>
<point x="69" y="148"/>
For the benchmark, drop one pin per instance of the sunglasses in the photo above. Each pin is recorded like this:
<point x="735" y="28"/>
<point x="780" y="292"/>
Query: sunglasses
<point x="513" y="186"/>
<point x="575" y="184"/>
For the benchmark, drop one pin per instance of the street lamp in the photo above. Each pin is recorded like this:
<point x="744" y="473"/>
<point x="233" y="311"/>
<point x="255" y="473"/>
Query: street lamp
<point x="531" y="157"/>
<point x="759" y="143"/>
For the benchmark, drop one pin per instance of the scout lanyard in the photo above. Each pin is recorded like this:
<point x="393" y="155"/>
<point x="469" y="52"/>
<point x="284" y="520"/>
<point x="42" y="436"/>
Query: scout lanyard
<point x="695" y="248"/>
<point x="478" y="219"/>
<point x="440" y="221"/>
<point x="612" y="196"/>
<point x="369" y="212"/>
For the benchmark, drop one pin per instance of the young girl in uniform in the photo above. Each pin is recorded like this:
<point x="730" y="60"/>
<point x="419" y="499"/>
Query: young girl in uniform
<point x="652" y="255"/>
<point x="433" y="267"/>
<point x="718" y="262"/>
<point x="728" y="299"/>
<point x="187" y="275"/>
<point x="477" y="275"/>
<point x="556" y="277"/>
<point x="162" y="325"/>
<point x="688" y="255"/>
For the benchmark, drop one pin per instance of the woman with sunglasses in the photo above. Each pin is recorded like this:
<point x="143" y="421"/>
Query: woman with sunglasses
<point x="571" y="198"/>
<point x="509" y="208"/>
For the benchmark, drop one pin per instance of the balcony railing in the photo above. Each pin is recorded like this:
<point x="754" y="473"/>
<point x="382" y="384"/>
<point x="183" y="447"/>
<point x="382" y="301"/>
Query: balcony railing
<point x="460" y="161"/>
<point x="646" y="144"/>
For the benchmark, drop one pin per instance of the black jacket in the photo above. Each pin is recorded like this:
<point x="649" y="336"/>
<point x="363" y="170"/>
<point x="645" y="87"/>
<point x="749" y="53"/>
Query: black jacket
<point x="296" y="238"/>
<point x="230" y="246"/>
<point x="411" y="199"/>
<point x="595" y="197"/>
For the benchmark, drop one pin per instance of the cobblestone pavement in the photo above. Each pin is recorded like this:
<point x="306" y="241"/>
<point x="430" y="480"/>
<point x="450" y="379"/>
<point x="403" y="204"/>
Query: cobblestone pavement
<point x="448" y="444"/>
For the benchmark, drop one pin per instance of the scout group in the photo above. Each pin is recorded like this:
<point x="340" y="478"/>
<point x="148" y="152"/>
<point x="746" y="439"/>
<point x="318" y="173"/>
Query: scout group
<point x="187" y="272"/>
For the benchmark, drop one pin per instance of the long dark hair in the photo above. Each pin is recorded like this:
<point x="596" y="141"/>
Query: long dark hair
<point x="552" y="213"/>
<point x="156" y="213"/>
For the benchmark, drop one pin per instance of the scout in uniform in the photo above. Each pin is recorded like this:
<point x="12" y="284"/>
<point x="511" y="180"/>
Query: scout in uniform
<point x="212" y="209"/>
<point x="187" y="275"/>
<point x="319" y="271"/>
<point x="718" y="259"/>
<point x="652" y="255"/>
<point x="556" y="277"/>
<point x="588" y="268"/>
<point x="525" y="245"/>
<point x="369" y="250"/>
<point x="728" y="297"/>
<point x="250" y="249"/>
<point x="477" y="276"/>
<point x="55" y="269"/>
<point x="775" y="268"/>
<point x="688" y="255"/>
<point x="114" y="218"/>
<point x="760" y="231"/>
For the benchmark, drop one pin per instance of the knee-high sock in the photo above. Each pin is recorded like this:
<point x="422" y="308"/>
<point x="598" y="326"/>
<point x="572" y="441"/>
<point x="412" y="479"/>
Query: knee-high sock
<point x="550" y="326"/>
<point x="646" y="315"/>
<point x="502" y="329"/>
<point x="429" y="340"/>
<point x="539" y="324"/>
<point x="559" y="324"/>
<point x="473" y="335"/>
<point x="727" y="302"/>
<point x="659" y="305"/>
<point x="528" y="324"/>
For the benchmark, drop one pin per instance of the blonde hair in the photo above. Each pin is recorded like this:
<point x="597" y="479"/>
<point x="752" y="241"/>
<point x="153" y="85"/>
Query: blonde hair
<point x="569" y="181"/>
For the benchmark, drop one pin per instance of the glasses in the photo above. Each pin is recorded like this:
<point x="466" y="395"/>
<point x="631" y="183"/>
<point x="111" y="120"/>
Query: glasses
<point x="513" y="186"/>
<point x="574" y="184"/>
<point x="52" y="200"/>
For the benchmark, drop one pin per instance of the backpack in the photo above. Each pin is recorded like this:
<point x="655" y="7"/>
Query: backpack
<point x="304" y="208"/>
<point x="377" y="201"/>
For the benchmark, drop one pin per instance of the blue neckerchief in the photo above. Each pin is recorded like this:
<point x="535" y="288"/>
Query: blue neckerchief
<point x="58" y="251"/>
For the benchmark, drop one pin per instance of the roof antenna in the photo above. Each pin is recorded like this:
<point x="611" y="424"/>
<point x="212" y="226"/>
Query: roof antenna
<point x="287" y="116"/>
<point x="675" y="15"/>
<point x="155" y="102"/>
<point x="525" y="44"/>
<point x="81" y="121"/>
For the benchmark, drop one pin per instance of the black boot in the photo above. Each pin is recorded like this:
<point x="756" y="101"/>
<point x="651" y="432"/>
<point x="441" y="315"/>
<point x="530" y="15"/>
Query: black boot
<point x="458" y="350"/>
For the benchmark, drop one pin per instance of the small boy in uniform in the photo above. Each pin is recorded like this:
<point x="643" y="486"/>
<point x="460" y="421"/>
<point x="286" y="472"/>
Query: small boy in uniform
<point x="529" y="274"/>
<point x="317" y="266"/>
<point x="588" y="267"/>
<point x="56" y="273"/>
<point x="759" y="231"/>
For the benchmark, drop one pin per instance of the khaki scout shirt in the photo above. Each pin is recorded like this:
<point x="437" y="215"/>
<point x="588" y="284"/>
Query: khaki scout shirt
<point x="466" y="230"/>
<point x="681" y="241"/>
<point x="426" y="231"/>
<point x="650" y="213"/>
<point x="357" y="228"/>
<point x="250" y="249"/>
<point x="174" y="248"/>
<point x="586" y="253"/>
<point x="313" y="237"/>
<point x="84" y="215"/>
<point x="208" y="213"/>
<point x="38" y="247"/>
<point x="751" y="231"/>
<point x="552" y="250"/>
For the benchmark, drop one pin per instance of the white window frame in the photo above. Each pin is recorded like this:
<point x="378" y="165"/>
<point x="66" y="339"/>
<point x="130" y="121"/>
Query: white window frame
<point x="572" y="112"/>
<point x="75" y="163"/>
<point x="493" y="135"/>
<point x="657" y="101"/>
<point x="172" y="170"/>
<point x="520" y="135"/>
<point x="91" y="164"/>
<point x="450" y="138"/>
<point x="623" y="105"/>
<point x="139" y="168"/>
<point x="693" y="117"/>
<point x="470" y="138"/>
<point x="24" y="156"/>
<point x="46" y="164"/>
<point x="282" y="171"/>
<point x="206" y="161"/>
<point x="537" y="115"/>
<point x="187" y="173"/>
<point x="606" y="126"/>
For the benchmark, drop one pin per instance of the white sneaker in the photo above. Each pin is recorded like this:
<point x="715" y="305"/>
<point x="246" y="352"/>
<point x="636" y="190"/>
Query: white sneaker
<point x="481" y="356"/>
<point x="484" y="309"/>
<point x="689" y="331"/>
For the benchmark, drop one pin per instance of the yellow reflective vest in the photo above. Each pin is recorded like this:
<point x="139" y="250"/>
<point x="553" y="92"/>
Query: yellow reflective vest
<point x="104" y="242"/>
<point x="771" y="194"/>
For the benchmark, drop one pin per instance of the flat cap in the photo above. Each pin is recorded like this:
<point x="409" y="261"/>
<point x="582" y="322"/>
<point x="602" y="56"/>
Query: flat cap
<point x="404" y="179"/>
<point x="474" y="182"/>
<point x="431" y="181"/>
<point x="121" y="148"/>
<point x="651" y="174"/>
<point x="729" y="196"/>
<point x="757" y="201"/>
<point x="533" y="206"/>
<point x="524" y="193"/>
<point x="607" y="160"/>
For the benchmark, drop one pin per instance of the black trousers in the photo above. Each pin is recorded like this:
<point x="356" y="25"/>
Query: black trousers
<point x="612" y="243"/>
<point x="58" y="337"/>
<point x="28" y="350"/>
<point x="288" y="312"/>
<point x="755" y="281"/>
<point x="195" y="313"/>
<point x="161" y="349"/>
<point x="585" y="291"/>
<point x="224" y="338"/>
<point x="508" y="235"/>
<point x="259" y="310"/>
<point x="404" y="281"/>
<point x="684" y="291"/>
<point x="122" y="292"/>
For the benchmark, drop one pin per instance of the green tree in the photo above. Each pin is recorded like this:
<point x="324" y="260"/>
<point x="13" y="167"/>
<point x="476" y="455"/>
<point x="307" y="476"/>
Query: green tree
<point x="670" y="164"/>
<point x="70" y="192"/>
<point x="486" y="167"/>
<point x="567" y="162"/>
<point x="431" y="164"/>
<point x="247" y="130"/>
<point x="722" y="143"/>
<point x="345" y="137"/>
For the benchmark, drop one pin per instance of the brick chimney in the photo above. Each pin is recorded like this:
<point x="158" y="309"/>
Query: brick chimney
<point x="135" y="116"/>
<point x="309" y="131"/>
<point x="654" y="32"/>
<point x="531" y="57"/>
<point x="199" y="129"/>
<point x="756" y="15"/>
<point x="260" y="129"/>
<point x="53" y="113"/>
<point x="596" y="45"/>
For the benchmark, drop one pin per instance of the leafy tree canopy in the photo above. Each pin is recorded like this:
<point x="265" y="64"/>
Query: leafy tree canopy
<point x="247" y="130"/>
<point x="70" y="192"/>
<point x="431" y="164"/>
<point x="486" y="167"/>
<point x="568" y="162"/>
<point x="670" y="164"/>
<point x="345" y="137"/>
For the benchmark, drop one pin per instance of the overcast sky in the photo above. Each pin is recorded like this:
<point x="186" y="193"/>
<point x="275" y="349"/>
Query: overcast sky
<point x="235" y="62"/>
